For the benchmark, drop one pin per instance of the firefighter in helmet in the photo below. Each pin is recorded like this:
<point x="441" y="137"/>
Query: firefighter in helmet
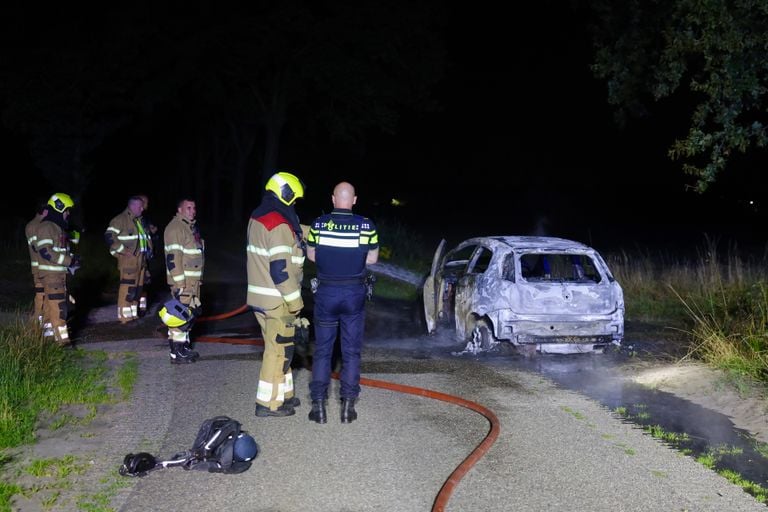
<point x="275" y="259"/>
<point x="54" y="261"/>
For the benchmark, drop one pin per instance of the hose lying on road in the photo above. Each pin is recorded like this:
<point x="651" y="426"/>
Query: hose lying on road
<point x="447" y="489"/>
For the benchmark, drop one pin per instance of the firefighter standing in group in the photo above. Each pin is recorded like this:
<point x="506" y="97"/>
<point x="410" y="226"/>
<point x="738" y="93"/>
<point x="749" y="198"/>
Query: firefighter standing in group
<point x="130" y="244"/>
<point x="184" y="261"/>
<point x="30" y="231"/>
<point x="275" y="260"/>
<point x="54" y="261"/>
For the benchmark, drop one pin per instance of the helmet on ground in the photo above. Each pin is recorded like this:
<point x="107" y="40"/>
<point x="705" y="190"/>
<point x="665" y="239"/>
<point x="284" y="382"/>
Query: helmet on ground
<point x="245" y="448"/>
<point x="287" y="187"/>
<point x="60" y="202"/>
<point x="176" y="315"/>
<point x="138" y="464"/>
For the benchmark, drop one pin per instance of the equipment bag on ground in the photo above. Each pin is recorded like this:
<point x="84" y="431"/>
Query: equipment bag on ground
<point x="221" y="446"/>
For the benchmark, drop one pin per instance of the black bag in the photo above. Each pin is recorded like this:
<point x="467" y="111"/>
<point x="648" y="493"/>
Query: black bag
<point x="213" y="451"/>
<point x="214" y="448"/>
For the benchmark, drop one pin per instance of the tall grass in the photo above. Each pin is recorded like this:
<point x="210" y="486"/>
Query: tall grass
<point x="720" y="299"/>
<point x="36" y="376"/>
<point x="404" y="246"/>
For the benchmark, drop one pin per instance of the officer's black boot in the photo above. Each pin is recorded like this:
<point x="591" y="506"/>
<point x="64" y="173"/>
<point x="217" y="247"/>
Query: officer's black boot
<point x="348" y="413"/>
<point x="317" y="414"/>
<point x="188" y="349"/>
<point x="177" y="354"/>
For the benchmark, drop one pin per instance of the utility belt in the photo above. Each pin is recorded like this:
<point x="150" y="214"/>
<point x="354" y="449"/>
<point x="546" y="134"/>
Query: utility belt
<point x="367" y="280"/>
<point x="341" y="282"/>
<point x="315" y="282"/>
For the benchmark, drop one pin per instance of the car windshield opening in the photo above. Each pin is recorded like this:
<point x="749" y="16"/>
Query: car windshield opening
<point x="559" y="267"/>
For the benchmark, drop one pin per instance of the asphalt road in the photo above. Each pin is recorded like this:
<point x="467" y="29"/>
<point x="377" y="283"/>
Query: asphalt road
<point x="557" y="450"/>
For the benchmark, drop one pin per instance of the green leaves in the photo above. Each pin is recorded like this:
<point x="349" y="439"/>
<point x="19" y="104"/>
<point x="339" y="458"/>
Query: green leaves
<point x="710" y="53"/>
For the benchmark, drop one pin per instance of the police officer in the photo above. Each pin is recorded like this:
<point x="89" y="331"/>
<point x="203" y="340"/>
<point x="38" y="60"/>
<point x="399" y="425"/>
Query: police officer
<point x="341" y="244"/>
<point x="275" y="256"/>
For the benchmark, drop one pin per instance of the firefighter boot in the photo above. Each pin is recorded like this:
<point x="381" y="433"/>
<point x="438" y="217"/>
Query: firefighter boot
<point x="348" y="413"/>
<point x="192" y="353"/>
<point x="317" y="414"/>
<point x="177" y="354"/>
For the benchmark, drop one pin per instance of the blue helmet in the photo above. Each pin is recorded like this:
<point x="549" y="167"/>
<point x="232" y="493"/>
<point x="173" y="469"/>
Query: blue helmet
<point x="245" y="448"/>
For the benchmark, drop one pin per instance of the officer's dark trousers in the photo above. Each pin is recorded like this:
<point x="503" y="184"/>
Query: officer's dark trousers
<point x="338" y="309"/>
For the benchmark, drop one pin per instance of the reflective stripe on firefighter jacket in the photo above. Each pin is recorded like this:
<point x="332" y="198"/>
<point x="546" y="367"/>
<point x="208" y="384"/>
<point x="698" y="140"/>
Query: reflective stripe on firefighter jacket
<point x="53" y="252"/>
<point x="184" y="253"/>
<point x="125" y="235"/>
<point x="30" y="231"/>
<point x="275" y="263"/>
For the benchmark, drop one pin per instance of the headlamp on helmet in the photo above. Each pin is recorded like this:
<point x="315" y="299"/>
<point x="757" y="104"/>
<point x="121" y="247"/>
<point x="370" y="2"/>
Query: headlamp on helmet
<point x="176" y="315"/>
<point x="287" y="187"/>
<point x="60" y="202"/>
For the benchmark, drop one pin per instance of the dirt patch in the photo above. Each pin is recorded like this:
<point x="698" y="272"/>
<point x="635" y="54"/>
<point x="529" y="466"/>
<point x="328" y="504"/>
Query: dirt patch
<point x="744" y="402"/>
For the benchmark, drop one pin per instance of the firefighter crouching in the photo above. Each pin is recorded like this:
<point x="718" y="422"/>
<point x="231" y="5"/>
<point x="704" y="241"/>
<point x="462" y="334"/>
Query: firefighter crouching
<point x="54" y="261"/>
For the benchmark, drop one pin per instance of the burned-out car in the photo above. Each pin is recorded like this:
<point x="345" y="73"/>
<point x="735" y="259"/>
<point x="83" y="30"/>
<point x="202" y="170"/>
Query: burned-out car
<point x="538" y="293"/>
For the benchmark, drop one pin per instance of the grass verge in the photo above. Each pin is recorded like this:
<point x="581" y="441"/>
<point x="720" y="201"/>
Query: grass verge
<point x="40" y="380"/>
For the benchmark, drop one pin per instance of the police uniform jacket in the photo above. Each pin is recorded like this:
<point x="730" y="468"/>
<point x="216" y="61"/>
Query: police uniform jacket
<point x="342" y="240"/>
<point x="184" y="253"/>
<point x="275" y="262"/>
<point x="126" y="236"/>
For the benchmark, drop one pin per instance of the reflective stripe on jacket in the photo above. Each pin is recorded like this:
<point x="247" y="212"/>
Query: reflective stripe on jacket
<point x="184" y="253"/>
<point x="124" y="235"/>
<point x="275" y="262"/>
<point x="53" y="252"/>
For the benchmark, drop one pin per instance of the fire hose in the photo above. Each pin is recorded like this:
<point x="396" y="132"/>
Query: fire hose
<point x="441" y="500"/>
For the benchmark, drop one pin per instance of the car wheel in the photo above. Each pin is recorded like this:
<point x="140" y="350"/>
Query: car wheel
<point x="482" y="335"/>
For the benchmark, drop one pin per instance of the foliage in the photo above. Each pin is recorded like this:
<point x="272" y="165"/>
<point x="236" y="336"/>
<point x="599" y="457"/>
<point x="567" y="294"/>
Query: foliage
<point x="37" y="376"/>
<point x="234" y="77"/>
<point x="387" y="288"/>
<point x="720" y="302"/>
<point x="711" y="53"/>
<point x="403" y="246"/>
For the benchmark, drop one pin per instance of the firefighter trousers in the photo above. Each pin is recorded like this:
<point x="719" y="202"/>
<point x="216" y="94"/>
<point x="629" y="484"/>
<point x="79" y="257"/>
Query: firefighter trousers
<point x="275" y="376"/>
<point x="132" y="271"/>
<point x="56" y="305"/>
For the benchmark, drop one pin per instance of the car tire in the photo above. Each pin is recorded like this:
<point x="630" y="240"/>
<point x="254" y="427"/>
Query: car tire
<point x="483" y="335"/>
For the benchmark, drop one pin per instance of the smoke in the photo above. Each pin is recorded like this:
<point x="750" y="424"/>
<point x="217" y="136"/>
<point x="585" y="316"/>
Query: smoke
<point x="541" y="227"/>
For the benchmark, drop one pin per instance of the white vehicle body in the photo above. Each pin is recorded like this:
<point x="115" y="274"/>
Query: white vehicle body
<point x="547" y="293"/>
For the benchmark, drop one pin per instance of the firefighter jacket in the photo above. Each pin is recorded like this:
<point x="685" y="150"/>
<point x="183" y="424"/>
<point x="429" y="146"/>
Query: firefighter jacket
<point x="53" y="252"/>
<point x="125" y="236"/>
<point x="184" y="254"/>
<point x="275" y="257"/>
<point x="30" y="231"/>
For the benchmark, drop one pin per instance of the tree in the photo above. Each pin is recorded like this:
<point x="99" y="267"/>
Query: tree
<point x="319" y="71"/>
<point x="330" y="68"/>
<point x="64" y="93"/>
<point x="708" y="52"/>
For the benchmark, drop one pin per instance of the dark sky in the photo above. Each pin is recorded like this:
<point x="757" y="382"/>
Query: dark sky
<point x="525" y="143"/>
